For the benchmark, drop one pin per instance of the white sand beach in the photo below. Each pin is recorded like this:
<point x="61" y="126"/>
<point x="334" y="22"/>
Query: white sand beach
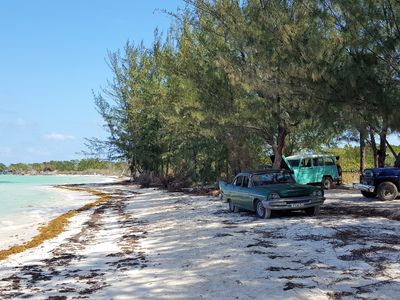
<point x="151" y="244"/>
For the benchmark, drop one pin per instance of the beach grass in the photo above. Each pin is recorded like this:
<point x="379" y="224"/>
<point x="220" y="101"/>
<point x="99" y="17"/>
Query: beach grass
<point x="57" y="225"/>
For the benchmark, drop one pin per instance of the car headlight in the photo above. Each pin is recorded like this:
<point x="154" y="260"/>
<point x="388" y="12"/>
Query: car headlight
<point x="368" y="173"/>
<point x="318" y="193"/>
<point x="273" y="196"/>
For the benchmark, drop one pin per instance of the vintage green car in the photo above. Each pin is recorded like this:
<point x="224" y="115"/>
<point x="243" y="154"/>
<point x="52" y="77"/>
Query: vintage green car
<point x="267" y="190"/>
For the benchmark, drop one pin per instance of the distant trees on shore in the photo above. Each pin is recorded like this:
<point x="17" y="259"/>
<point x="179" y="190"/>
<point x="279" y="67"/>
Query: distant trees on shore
<point x="84" y="166"/>
<point x="233" y="81"/>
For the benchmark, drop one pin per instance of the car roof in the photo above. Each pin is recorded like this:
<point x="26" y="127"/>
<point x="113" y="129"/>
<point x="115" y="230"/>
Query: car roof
<point x="300" y="156"/>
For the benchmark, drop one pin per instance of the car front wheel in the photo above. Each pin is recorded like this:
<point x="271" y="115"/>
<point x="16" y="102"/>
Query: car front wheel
<point x="387" y="191"/>
<point x="261" y="211"/>
<point x="368" y="194"/>
<point x="312" y="211"/>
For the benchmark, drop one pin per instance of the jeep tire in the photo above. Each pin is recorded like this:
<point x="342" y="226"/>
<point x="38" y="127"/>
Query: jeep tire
<point x="327" y="183"/>
<point x="387" y="191"/>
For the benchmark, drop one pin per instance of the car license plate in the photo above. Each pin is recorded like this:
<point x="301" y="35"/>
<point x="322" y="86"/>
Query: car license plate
<point x="297" y="205"/>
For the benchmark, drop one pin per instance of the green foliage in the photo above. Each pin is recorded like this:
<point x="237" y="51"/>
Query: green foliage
<point x="234" y="81"/>
<point x="85" y="166"/>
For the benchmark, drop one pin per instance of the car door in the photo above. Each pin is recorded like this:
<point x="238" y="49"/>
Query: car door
<point x="331" y="167"/>
<point x="245" y="200"/>
<point x="319" y="169"/>
<point x="305" y="171"/>
<point x="236" y="190"/>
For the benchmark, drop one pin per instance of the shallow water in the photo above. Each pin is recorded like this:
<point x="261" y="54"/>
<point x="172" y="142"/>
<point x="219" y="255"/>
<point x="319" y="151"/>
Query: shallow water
<point x="27" y="201"/>
<point x="21" y="193"/>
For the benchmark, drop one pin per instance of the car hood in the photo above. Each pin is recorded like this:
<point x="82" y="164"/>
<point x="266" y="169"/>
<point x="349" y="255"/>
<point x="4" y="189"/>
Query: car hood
<point x="382" y="170"/>
<point x="288" y="189"/>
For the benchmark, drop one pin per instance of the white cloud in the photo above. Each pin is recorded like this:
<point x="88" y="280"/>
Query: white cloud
<point x="58" y="137"/>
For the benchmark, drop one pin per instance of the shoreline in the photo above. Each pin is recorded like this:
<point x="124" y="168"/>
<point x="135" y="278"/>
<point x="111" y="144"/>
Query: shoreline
<point x="18" y="232"/>
<point x="54" y="226"/>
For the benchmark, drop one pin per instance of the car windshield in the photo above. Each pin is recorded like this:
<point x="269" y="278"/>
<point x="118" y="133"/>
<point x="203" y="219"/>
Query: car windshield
<point x="294" y="162"/>
<point x="267" y="178"/>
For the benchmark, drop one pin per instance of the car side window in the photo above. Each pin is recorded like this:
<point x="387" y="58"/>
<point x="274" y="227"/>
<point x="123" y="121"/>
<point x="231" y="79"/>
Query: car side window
<point x="245" y="181"/>
<point x="318" y="161"/>
<point x="306" y="163"/>
<point x="329" y="161"/>
<point x="238" y="181"/>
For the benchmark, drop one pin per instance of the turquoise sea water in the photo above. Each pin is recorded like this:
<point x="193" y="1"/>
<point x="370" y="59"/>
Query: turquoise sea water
<point x="28" y="202"/>
<point x="24" y="193"/>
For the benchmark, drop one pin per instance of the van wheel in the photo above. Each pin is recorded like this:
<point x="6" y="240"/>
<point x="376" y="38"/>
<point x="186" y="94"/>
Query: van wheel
<point x="327" y="183"/>
<point x="261" y="211"/>
<point x="387" y="191"/>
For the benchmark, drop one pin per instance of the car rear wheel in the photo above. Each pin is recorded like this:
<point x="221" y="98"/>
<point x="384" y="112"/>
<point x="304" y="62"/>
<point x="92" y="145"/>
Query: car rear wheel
<point x="387" y="191"/>
<point x="368" y="194"/>
<point x="232" y="207"/>
<point x="327" y="183"/>
<point x="312" y="211"/>
<point x="261" y="211"/>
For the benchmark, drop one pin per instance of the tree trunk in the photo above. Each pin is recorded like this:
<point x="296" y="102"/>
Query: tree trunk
<point x="382" y="148"/>
<point x="374" y="148"/>
<point x="279" y="147"/>
<point x="362" y="151"/>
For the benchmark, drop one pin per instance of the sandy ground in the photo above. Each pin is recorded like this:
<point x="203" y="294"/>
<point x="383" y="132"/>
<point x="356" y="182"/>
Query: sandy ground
<point x="150" y="244"/>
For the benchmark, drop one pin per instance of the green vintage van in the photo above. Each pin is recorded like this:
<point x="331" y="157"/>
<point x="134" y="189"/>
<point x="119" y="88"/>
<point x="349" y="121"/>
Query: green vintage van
<point x="314" y="168"/>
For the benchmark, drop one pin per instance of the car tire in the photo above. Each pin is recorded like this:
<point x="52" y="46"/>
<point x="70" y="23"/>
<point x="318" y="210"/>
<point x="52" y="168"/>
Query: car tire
<point x="312" y="211"/>
<point x="368" y="194"/>
<point x="327" y="183"/>
<point x="387" y="191"/>
<point x="261" y="211"/>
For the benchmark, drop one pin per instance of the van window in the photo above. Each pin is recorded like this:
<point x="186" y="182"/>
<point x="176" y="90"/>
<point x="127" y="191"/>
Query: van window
<point x="239" y="180"/>
<point x="306" y="162"/>
<point x="318" y="161"/>
<point x="294" y="162"/>
<point x="329" y="161"/>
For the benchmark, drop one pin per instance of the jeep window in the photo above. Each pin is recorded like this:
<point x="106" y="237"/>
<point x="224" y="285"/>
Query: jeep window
<point x="329" y="161"/>
<point x="294" y="162"/>
<point x="238" y="181"/>
<point x="318" y="161"/>
<point x="306" y="163"/>
<point x="245" y="181"/>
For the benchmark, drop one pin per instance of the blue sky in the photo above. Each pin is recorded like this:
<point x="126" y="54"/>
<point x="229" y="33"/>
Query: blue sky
<point x="52" y="55"/>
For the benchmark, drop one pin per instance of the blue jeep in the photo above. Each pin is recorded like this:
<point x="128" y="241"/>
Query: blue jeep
<point x="381" y="182"/>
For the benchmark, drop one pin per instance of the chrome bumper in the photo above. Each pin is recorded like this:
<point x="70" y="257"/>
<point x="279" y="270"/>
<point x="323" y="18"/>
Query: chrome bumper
<point x="293" y="203"/>
<point x="364" y="187"/>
